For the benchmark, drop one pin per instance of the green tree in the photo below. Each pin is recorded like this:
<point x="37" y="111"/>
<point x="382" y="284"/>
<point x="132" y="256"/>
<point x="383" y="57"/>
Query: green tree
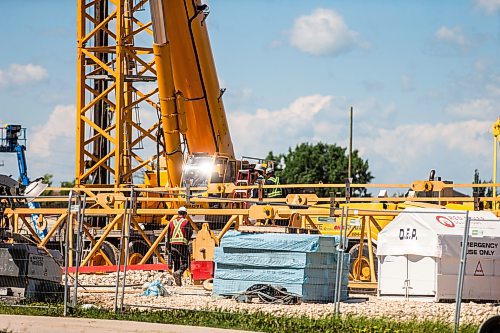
<point x="47" y="179"/>
<point x="67" y="184"/>
<point x="321" y="163"/>
<point x="481" y="191"/>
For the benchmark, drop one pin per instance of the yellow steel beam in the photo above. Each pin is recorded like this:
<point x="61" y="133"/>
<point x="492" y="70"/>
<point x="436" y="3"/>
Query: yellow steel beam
<point x="96" y="160"/>
<point x="145" y="133"/>
<point x="98" y="164"/>
<point x="94" y="21"/>
<point x="139" y="166"/>
<point x="99" y="26"/>
<point x="98" y="96"/>
<point x="98" y="135"/>
<point x="53" y="230"/>
<point x="149" y="101"/>
<point x="30" y="228"/>
<point x="193" y="225"/>
<point x="357" y="270"/>
<point x="99" y="62"/>
<point x="137" y="102"/>
<point x="138" y="31"/>
<point x="138" y="228"/>
<point x="232" y="220"/>
<point x="371" y="256"/>
<point x="98" y="129"/>
<point x="94" y="242"/>
<point x="101" y="240"/>
<point x="148" y="66"/>
<point x="154" y="245"/>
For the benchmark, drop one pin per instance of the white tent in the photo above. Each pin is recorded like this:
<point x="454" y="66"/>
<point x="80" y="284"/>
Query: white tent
<point x="419" y="255"/>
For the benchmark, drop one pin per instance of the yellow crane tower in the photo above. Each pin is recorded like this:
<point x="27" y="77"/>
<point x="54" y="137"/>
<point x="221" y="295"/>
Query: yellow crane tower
<point x="114" y="64"/>
<point x="122" y="47"/>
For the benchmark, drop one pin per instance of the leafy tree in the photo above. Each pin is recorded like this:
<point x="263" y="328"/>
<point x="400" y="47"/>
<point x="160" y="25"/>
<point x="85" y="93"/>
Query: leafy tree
<point x="67" y="184"/>
<point x="47" y="179"/>
<point x="321" y="163"/>
<point x="481" y="191"/>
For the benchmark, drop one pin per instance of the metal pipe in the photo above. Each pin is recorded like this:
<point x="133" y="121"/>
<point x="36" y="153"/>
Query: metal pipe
<point x="339" y="256"/>
<point x="495" y="152"/>
<point x="120" y="256"/>
<point x="81" y="216"/>
<point x="342" y="260"/>
<point x="349" y="169"/>
<point x="66" y="254"/>
<point x="461" y="271"/>
<point x="126" y="244"/>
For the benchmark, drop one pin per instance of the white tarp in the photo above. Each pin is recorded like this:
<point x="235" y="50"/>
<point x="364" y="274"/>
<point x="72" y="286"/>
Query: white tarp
<point x="432" y="233"/>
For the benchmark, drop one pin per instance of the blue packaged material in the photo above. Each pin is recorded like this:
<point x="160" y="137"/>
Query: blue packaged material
<point x="303" y="264"/>
<point x="279" y="276"/>
<point x="280" y="242"/>
<point x="229" y="256"/>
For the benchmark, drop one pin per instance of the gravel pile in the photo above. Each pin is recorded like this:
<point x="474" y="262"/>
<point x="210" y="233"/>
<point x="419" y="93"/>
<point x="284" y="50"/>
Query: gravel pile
<point x="134" y="278"/>
<point x="195" y="298"/>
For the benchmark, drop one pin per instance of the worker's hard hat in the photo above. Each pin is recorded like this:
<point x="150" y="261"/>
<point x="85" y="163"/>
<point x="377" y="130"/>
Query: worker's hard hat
<point x="269" y="170"/>
<point x="182" y="210"/>
<point x="258" y="167"/>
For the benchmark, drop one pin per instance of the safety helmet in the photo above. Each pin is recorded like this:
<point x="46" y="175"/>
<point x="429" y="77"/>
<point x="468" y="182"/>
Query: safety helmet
<point x="258" y="167"/>
<point x="269" y="170"/>
<point x="182" y="210"/>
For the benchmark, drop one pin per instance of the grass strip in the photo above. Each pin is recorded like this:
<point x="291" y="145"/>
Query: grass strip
<point x="262" y="322"/>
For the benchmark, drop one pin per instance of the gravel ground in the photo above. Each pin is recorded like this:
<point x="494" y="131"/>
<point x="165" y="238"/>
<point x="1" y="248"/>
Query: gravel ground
<point x="196" y="298"/>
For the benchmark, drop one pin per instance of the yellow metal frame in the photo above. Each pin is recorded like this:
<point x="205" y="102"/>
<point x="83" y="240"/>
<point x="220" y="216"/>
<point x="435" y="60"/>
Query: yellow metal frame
<point x="109" y="203"/>
<point x="119" y="95"/>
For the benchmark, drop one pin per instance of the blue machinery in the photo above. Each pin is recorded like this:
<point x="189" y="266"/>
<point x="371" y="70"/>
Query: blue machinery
<point x="13" y="140"/>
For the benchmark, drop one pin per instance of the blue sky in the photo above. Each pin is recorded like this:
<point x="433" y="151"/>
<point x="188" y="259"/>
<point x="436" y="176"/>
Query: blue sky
<point x="423" y="78"/>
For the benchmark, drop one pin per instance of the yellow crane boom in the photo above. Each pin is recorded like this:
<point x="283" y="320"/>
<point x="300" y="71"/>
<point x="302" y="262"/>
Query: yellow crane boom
<point x="195" y="76"/>
<point x="189" y="92"/>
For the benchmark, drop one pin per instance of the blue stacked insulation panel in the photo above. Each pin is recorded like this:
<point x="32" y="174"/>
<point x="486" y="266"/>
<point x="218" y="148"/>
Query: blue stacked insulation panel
<point x="303" y="264"/>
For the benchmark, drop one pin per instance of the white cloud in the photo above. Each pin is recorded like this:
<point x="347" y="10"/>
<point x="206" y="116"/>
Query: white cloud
<point x="404" y="144"/>
<point x="407" y="152"/>
<point x="277" y="129"/>
<point x="490" y="6"/>
<point x="403" y="153"/>
<point x="481" y="108"/>
<point x="17" y="74"/>
<point x="58" y="131"/>
<point x="451" y="35"/>
<point x="324" y="32"/>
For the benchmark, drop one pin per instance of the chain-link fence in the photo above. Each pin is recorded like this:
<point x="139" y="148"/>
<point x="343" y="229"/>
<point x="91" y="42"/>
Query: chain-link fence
<point x="122" y="260"/>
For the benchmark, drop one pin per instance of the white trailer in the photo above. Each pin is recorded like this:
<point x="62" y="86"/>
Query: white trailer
<point x="419" y="255"/>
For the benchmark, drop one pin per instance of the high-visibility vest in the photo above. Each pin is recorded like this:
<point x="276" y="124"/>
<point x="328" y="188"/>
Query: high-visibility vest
<point x="275" y="192"/>
<point x="177" y="234"/>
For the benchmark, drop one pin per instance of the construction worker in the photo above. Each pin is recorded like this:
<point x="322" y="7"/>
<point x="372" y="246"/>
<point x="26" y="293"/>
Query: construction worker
<point x="259" y="179"/>
<point x="178" y="236"/>
<point x="273" y="180"/>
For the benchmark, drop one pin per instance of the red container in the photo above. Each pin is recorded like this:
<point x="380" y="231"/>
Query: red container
<point x="202" y="270"/>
